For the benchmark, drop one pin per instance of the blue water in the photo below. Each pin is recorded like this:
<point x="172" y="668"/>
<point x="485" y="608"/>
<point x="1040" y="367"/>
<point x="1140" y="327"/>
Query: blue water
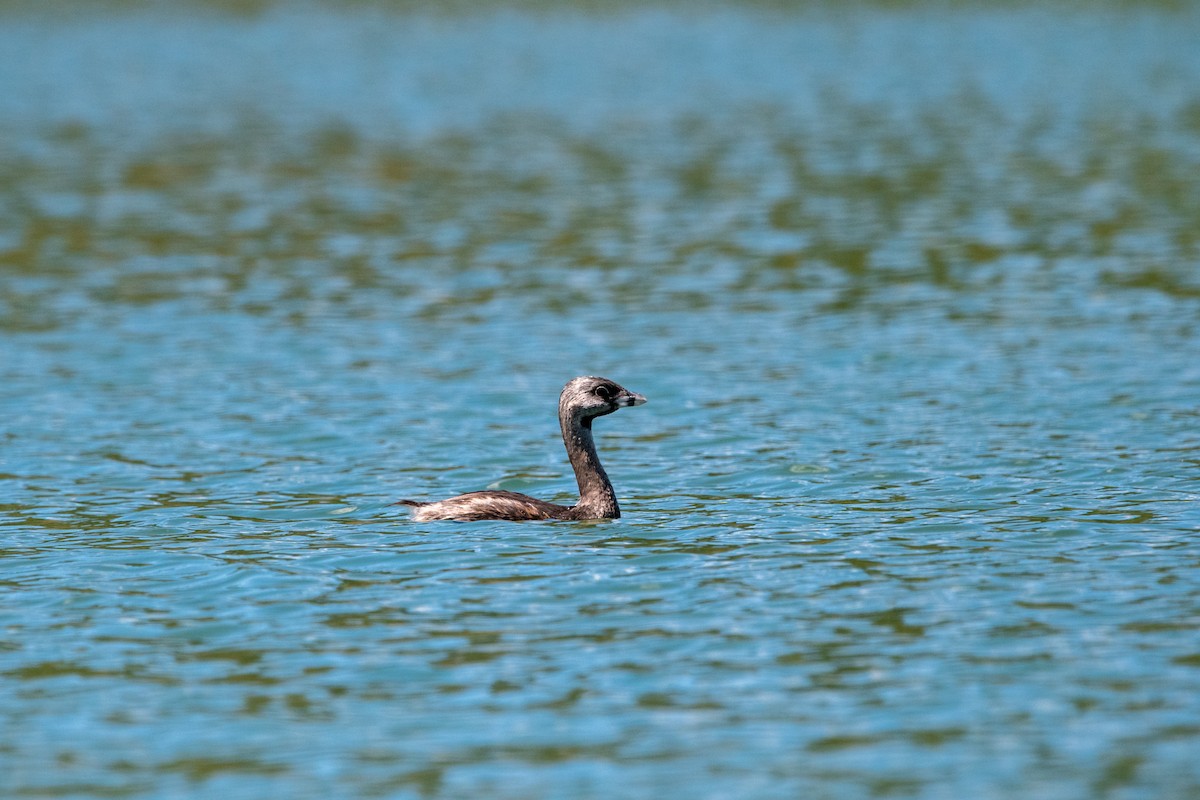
<point x="914" y="295"/>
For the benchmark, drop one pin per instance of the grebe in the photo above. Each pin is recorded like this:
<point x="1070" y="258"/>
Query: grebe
<point x="582" y="400"/>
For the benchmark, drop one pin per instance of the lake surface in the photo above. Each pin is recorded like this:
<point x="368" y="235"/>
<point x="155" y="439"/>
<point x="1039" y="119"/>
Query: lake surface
<point x="914" y="294"/>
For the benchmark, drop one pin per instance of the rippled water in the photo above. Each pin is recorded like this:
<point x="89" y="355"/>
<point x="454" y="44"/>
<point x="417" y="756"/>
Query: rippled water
<point x="911" y="512"/>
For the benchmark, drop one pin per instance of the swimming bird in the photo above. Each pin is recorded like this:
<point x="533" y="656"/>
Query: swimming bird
<point x="582" y="400"/>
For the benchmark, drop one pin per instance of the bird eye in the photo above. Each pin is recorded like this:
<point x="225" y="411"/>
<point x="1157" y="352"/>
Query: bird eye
<point x="605" y="393"/>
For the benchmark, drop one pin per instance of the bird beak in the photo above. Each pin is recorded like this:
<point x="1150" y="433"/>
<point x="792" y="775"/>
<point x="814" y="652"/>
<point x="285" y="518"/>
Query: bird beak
<point x="629" y="399"/>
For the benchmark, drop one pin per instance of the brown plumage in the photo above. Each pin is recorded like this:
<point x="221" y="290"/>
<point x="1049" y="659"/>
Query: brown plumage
<point x="582" y="400"/>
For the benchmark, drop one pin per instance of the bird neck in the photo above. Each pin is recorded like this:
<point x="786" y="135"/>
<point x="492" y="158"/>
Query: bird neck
<point x="596" y="494"/>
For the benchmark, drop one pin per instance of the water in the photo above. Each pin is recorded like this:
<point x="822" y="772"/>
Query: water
<point x="911" y="511"/>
